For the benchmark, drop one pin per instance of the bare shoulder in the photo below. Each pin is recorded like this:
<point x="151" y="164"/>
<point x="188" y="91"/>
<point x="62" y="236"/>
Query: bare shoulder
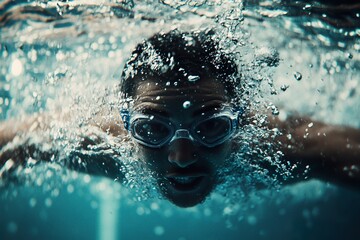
<point x="11" y="128"/>
<point x="109" y="122"/>
<point x="94" y="132"/>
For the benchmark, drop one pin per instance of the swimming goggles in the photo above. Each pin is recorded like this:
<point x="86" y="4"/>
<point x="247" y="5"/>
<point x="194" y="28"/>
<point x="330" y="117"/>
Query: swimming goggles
<point x="156" y="131"/>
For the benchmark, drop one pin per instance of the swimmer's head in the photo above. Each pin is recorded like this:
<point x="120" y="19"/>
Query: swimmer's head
<point x="176" y="57"/>
<point x="182" y="118"/>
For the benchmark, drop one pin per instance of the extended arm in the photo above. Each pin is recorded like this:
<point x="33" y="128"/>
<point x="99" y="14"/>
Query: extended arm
<point x="332" y="153"/>
<point x="19" y="141"/>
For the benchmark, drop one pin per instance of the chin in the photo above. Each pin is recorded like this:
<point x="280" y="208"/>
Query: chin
<point x="186" y="202"/>
<point x="186" y="197"/>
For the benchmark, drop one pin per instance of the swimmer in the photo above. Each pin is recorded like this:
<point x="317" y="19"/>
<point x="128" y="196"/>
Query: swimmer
<point x="182" y="112"/>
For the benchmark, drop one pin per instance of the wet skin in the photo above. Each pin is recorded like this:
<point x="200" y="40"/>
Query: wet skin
<point x="186" y="171"/>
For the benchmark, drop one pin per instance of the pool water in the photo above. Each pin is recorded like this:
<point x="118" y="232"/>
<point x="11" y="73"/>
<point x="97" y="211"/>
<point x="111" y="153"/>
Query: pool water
<point x="66" y="56"/>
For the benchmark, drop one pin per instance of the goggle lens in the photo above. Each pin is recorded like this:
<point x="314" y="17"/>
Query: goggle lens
<point x="151" y="131"/>
<point x="213" y="130"/>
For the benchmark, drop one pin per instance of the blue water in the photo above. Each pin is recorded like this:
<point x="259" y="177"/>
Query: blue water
<point x="70" y="57"/>
<point x="76" y="216"/>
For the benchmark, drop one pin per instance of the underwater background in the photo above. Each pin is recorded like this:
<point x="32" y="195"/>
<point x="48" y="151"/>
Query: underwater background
<point x="301" y="56"/>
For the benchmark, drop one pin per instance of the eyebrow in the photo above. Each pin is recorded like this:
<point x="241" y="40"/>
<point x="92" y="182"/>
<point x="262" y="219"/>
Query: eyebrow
<point x="155" y="111"/>
<point x="205" y="108"/>
<point x="208" y="108"/>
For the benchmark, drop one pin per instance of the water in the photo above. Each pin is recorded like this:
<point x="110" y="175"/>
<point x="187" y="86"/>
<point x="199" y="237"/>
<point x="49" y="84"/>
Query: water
<point x="66" y="56"/>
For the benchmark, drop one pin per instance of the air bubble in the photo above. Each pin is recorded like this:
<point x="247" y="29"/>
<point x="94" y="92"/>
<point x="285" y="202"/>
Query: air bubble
<point x="275" y="111"/>
<point x="284" y="87"/>
<point x="192" y="78"/>
<point x="16" y="67"/>
<point x="186" y="104"/>
<point x="70" y="188"/>
<point x="32" y="202"/>
<point x="159" y="230"/>
<point x="48" y="202"/>
<point x="297" y="76"/>
<point x="140" y="211"/>
<point x="252" y="220"/>
<point x="273" y="91"/>
<point x="154" y="206"/>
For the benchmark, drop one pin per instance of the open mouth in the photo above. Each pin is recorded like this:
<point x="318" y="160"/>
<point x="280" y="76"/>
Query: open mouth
<point x="186" y="189"/>
<point x="185" y="183"/>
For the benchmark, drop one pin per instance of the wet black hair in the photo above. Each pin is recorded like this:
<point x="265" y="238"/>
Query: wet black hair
<point x="180" y="56"/>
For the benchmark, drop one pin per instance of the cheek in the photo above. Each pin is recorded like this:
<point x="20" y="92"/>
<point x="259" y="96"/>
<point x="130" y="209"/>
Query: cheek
<point x="218" y="154"/>
<point x="154" y="158"/>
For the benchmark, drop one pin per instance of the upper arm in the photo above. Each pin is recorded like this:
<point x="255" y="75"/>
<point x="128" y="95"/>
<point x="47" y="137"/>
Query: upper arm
<point x="23" y="132"/>
<point x="109" y="122"/>
<point x="329" y="152"/>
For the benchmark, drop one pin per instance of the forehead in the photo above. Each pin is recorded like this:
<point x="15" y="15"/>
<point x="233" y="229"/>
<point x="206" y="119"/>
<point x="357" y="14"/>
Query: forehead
<point x="177" y="96"/>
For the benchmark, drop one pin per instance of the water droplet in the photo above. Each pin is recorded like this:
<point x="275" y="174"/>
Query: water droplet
<point x="186" y="104"/>
<point x="167" y="83"/>
<point x="157" y="98"/>
<point x="192" y="78"/>
<point x="298" y="76"/>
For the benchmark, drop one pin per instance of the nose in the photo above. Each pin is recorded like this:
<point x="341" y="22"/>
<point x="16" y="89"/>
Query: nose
<point x="181" y="153"/>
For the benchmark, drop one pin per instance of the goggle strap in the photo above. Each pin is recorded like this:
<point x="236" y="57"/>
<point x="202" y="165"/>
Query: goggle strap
<point x="240" y="111"/>
<point x="125" y="116"/>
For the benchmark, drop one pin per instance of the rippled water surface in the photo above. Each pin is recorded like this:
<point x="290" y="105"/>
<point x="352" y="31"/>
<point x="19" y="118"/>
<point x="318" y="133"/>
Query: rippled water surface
<point x="66" y="56"/>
